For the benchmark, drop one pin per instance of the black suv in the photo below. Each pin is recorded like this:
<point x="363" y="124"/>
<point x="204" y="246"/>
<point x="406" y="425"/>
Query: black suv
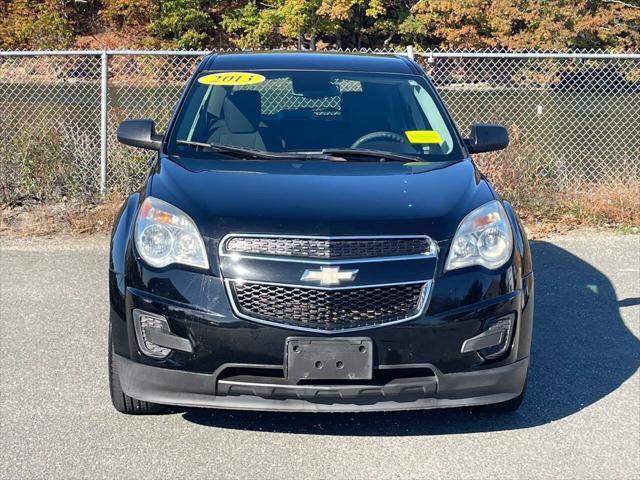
<point x="313" y="235"/>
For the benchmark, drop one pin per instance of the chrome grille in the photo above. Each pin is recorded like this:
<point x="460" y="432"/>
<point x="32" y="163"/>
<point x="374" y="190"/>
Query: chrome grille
<point x="328" y="309"/>
<point x="327" y="248"/>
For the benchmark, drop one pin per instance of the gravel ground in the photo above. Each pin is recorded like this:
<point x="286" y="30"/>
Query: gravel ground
<point x="581" y="418"/>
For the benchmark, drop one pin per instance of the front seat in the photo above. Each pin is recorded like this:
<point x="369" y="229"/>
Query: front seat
<point x="363" y="114"/>
<point x="240" y="122"/>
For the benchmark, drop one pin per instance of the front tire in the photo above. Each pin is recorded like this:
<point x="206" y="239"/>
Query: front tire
<point x="121" y="401"/>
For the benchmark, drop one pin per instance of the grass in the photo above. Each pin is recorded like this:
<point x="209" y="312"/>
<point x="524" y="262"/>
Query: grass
<point x="606" y="206"/>
<point x="70" y="217"/>
<point x="544" y="207"/>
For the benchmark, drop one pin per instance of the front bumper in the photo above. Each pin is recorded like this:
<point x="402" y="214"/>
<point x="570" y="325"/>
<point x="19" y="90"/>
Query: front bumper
<point x="197" y="308"/>
<point x="190" y="389"/>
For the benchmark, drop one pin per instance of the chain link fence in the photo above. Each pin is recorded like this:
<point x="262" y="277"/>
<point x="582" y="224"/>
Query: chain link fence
<point x="574" y="119"/>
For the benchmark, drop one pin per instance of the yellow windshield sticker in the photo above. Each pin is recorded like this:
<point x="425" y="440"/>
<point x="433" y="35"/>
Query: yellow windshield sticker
<point x="231" y="78"/>
<point x="423" y="136"/>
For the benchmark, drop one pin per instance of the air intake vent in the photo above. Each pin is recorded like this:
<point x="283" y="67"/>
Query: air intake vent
<point x="328" y="309"/>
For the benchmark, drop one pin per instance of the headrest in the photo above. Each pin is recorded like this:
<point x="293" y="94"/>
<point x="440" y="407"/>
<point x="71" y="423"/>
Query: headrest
<point x="356" y="105"/>
<point x="241" y="111"/>
<point x="351" y="103"/>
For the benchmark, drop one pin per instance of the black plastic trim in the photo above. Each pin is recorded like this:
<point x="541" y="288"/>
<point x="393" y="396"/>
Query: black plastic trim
<point x="169" y="340"/>
<point x="175" y="387"/>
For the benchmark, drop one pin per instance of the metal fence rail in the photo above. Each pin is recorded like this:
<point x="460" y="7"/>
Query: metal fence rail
<point x="574" y="118"/>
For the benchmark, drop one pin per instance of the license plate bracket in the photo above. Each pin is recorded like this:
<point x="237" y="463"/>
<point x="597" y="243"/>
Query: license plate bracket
<point x="312" y="358"/>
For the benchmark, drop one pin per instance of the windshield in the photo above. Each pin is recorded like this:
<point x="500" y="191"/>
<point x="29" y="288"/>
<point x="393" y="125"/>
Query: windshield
<point x="312" y="111"/>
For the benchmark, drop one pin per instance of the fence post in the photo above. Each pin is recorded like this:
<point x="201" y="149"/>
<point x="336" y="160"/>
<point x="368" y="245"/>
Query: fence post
<point x="410" y="52"/>
<point x="103" y="120"/>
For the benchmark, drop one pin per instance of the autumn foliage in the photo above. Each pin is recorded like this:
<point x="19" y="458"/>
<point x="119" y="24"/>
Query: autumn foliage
<point x="506" y="24"/>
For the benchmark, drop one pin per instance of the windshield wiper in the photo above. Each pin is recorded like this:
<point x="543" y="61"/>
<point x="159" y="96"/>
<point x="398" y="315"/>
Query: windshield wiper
<point x="235" y="151"/>
<point x="242" y="152"/>
<point x="381" y="154"/>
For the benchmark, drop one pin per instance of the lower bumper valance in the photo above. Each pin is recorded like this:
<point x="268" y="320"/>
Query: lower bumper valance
<point x="257" y="392"/>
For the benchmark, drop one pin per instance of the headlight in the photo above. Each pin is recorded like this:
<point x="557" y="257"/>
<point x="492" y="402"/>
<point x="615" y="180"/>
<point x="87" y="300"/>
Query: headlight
<point x="483" y="238"/>
<point x="165" y="235"/>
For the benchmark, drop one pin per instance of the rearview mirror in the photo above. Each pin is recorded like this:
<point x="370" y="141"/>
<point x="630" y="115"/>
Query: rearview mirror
<point x="487" y="137"/>
<point x="139" y="133"/>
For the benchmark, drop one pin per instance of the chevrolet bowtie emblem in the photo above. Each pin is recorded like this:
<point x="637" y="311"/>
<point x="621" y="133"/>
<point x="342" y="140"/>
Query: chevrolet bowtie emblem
<point x="329" y="275"/>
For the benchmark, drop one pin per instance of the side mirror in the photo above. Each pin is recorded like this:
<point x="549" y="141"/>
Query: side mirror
<point x="139" y="133"/>
<point x="487" y="137"/>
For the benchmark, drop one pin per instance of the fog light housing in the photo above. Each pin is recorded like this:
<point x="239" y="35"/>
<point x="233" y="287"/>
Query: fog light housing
<point x="495" y="340"/>
<point x="145" y="323"/>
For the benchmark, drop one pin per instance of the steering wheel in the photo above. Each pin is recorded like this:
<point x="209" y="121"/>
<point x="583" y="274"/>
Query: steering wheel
<point x="382" y="135"/>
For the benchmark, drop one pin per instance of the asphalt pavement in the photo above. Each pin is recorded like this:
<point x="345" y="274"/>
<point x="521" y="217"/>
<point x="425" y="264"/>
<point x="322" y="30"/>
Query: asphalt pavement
<point x="581" y="417"/>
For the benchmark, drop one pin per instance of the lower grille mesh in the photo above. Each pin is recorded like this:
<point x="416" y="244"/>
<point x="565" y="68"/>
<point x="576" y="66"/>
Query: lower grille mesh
<point x="327" y="309"/>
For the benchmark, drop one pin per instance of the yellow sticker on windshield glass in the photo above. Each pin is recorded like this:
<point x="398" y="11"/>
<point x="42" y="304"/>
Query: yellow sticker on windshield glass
<point x="423" y="136"/>
<point x="231" y="78"/>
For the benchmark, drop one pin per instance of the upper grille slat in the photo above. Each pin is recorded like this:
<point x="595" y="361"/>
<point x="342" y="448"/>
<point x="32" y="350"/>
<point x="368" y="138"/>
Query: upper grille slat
<point x="326" y="248"/>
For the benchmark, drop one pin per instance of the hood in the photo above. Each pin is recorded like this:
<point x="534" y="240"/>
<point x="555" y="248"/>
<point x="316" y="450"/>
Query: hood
<point x="321" y="197"/>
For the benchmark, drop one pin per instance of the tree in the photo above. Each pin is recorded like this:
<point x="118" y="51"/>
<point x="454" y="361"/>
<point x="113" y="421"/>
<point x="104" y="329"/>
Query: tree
<point x="35" y="24"/>
<point x="299" y="18"/>
<point x="507" y="24"/>
<point x="254" y="27"/>
<point x="282" y="21"/>
<point x="464" y="23"/>
<point x="608" y="24"/>
<point x="518" y="24"/>
<point x="183" y="23"/>
<point x="134" y="15"/>
<point x="372" y="22"/>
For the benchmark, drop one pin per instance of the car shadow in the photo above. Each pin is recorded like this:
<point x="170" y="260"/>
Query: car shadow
<point x="581" y="352"/>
